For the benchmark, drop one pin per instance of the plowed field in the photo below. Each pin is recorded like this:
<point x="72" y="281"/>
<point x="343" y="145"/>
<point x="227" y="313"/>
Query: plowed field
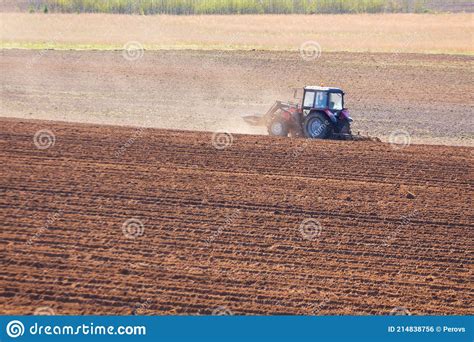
<point x="423" y="95"/>
<point x="263" y="226"/>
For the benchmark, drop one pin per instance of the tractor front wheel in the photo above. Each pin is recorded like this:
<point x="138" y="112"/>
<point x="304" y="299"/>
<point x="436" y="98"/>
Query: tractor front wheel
<point x="278" y="128"/>
<point x="317" y="126"/>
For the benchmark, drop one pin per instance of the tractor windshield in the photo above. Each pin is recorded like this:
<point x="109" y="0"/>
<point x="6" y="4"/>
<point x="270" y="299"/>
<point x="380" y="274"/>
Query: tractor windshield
<point x="335" y="101"/>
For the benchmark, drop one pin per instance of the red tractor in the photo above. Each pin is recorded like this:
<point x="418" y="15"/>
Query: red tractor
<point x="321" y="115"/>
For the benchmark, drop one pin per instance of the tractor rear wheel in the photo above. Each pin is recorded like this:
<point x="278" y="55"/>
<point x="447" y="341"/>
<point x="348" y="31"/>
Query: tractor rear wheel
<point x="317" y="126"/>
<point x="278" y="128"/>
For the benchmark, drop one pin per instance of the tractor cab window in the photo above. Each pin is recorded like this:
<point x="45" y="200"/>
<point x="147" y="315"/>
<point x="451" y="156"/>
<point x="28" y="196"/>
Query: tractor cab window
<point x="308" y="99"/>
<point x="335" y="101"/>
<point x="321" y="99"/>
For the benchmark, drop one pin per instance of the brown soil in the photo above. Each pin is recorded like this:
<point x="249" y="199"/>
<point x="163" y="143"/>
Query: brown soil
<point x="221" y="227"/>
<point x="429" y="96"/>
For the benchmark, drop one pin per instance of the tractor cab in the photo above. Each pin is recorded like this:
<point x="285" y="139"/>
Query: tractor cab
<point x="321" y="116"/>
<point x="322" y="98"/>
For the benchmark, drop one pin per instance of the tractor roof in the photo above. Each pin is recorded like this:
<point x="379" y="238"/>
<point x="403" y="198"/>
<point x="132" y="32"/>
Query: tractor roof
<point x="331" y="89"/>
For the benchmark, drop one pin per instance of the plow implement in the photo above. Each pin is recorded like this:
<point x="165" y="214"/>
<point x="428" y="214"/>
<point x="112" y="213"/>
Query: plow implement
<point x="355" y="137"/>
